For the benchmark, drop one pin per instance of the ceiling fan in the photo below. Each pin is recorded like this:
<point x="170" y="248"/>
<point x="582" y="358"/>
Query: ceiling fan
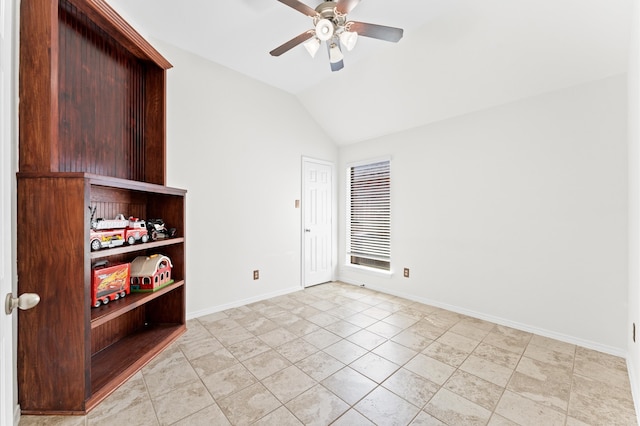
<point x="331" y="26"/>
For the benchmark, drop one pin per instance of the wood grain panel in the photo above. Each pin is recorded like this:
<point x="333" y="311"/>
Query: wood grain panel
<point x="166" y="310"/>
<point x="117" y="329"/>
<point x="109" y="20"/>
<point x="110" y="202"/>
<point x="52" y="335"/>
<point x="38" y="77"/>
<point x="101" y="106"/>
<point x="155" y="116"/>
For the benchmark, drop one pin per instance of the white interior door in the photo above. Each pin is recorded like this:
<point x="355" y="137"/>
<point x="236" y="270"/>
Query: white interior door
<point x="317" y="208"/>
<point x="7" y="405"/>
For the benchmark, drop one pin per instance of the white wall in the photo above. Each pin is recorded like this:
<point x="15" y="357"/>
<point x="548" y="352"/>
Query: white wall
<point x="517" y="214"/>
<point x="633" y="357"/>
<point x="236" y="145"/>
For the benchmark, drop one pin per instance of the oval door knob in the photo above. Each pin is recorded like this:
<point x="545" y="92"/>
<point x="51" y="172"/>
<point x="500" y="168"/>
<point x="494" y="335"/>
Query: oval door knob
<point x="307" y="230"/>
<point x="25" y="301"/>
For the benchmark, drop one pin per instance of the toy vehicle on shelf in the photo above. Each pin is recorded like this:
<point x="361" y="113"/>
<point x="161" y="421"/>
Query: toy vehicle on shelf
<point x="106" y="239"/>
<point x="136" y="230"/>
<point x="100" y="224"/>
<point x="108" y="233"/>
<point x="109" y="283"/>
<point x="158" y="230"/>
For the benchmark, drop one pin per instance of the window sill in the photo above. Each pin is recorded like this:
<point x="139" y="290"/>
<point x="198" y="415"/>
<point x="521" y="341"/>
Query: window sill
<point x="369" y="271"/>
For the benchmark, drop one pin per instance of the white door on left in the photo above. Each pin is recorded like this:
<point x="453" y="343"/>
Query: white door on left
<point x="7" y="140"/>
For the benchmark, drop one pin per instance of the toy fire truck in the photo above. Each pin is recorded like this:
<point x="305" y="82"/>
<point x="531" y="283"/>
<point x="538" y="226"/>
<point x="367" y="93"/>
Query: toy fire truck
<point x="108" y="233"/>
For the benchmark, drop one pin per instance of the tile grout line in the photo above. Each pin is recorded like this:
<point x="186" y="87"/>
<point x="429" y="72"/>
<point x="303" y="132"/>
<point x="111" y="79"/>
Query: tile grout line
<point x="573" y="372"/>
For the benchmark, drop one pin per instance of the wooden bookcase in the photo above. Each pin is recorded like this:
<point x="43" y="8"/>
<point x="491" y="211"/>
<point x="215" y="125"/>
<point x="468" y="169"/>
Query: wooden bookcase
<point x="92" y="134"/>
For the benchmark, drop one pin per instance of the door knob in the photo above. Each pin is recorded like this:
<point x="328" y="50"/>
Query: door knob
<point x="25" y="301"/>
<point x="307" y="230"/>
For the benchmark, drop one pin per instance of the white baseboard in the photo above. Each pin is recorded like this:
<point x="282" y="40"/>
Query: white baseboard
<point x="238" y="303"/>
<point x="16" y="415"/>
<point x="505" y="322"/>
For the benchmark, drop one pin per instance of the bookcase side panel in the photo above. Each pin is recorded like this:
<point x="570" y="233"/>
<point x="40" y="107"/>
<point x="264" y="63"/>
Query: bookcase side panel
<point x="53" y="357"/>
<point x="38" y="76"/>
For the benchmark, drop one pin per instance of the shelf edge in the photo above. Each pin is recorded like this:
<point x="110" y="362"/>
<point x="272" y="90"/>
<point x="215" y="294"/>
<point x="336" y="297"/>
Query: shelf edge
<point x="115" y="311"/>
<point x="98" y="395"/>
<point x="135" y="248"/>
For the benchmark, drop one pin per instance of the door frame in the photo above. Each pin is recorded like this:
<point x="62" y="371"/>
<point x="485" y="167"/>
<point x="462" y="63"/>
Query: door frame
<point x="9" y="409"/>
<point x="334" y="210"/>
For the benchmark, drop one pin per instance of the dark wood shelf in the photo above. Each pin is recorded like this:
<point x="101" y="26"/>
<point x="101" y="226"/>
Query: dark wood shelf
<point x="100" y="254"/>
<point x="108" y="181"/>
<point x="131" y="354"/>
<point x="106" y="313"/>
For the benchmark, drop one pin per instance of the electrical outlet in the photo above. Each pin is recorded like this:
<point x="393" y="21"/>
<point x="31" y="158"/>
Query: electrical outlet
<point x="256" y="274"/>
<point x="406" y="272"/>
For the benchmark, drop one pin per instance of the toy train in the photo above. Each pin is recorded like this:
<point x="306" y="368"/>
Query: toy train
<point x="108" y="233"/>
<point x="144" y="274"/>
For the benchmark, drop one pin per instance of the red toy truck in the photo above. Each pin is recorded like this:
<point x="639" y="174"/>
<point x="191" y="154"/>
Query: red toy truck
<point x="109" y="283"/>
<point x="107" y="233"/>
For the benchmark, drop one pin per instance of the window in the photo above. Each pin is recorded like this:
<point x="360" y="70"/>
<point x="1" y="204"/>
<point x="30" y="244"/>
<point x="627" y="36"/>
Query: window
<point x="369" y="215"/>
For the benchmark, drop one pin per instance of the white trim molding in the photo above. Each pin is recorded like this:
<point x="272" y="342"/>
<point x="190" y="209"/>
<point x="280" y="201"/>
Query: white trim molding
<point x="504" y="322"/>
<point x="236" y="304"/>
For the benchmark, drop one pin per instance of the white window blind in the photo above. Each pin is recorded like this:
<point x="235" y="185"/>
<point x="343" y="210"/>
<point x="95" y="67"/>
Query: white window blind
<point x="370" y="215"/>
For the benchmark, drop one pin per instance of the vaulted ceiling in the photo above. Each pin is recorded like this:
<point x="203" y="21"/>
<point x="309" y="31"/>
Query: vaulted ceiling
<point x="456" y="56"/>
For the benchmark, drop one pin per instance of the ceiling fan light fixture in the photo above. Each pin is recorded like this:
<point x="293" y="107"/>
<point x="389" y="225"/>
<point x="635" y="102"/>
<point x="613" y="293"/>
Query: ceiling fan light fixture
<point x="324" y="29"/>
<point x="335" y="55"/>
<point x="330" y="25"/>
<point x="349" y="39"/>
<point x="312" y="46"/>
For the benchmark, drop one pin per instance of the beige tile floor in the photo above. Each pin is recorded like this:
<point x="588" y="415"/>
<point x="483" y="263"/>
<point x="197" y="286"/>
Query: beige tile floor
<point x="344" y="355"/>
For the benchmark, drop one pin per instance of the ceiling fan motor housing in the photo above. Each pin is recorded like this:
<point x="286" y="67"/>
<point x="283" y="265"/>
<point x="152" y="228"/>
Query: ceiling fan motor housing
<point x="327" y="10"/>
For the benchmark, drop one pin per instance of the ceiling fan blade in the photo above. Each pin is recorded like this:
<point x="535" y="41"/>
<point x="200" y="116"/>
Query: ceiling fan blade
<point x="300" y="7"/>
<point x="376" y="31"/>
<point x="346" y="6"/>
<point x="292" y="43"/>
